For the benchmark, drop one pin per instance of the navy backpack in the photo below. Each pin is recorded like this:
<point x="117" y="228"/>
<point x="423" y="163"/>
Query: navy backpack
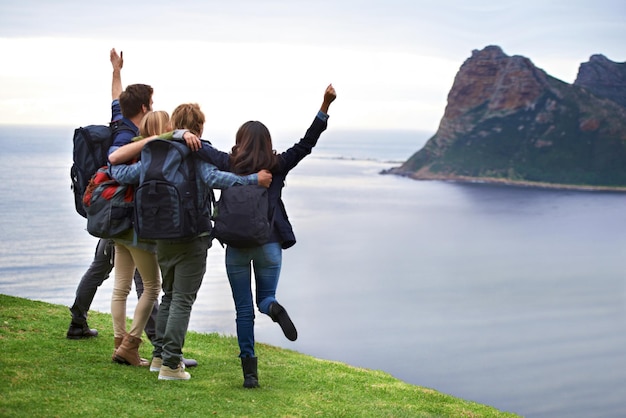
<point x="90" y="152"/>
<point x="166" y="200"/>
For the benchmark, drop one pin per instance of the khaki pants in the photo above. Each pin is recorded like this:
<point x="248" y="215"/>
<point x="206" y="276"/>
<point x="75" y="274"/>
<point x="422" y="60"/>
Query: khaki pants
<point x="127" y="258"/>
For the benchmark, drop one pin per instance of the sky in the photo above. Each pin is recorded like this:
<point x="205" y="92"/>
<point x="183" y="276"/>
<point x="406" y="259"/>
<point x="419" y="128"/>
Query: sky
<point x="392" y="62"/>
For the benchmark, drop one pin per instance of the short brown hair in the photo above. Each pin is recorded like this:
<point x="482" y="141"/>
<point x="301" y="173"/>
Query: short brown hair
<point x="134" y="97"/>
<point x="188" y="116"/>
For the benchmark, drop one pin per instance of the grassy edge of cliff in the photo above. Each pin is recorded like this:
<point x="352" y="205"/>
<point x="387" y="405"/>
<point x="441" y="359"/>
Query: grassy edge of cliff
<point x="47" y="375"/>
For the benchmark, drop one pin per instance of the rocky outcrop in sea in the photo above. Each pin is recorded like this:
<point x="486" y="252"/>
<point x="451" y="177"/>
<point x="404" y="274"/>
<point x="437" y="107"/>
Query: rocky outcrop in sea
<point x="508" y="121"/>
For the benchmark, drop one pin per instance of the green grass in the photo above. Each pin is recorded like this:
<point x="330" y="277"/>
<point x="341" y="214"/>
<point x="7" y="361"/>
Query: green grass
<point x="46" y="375"/>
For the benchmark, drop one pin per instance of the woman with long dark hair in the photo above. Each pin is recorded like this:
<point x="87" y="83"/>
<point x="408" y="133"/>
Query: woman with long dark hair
<point x="252" y="152"/>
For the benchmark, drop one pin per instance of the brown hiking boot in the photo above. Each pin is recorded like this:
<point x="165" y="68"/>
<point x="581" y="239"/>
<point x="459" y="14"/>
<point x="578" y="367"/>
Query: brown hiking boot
<point x="128" y="352"/>
<point x="117" y="342"/>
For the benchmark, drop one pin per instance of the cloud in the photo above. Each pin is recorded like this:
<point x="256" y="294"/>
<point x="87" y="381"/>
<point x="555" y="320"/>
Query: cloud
<point x="392" y="62"/>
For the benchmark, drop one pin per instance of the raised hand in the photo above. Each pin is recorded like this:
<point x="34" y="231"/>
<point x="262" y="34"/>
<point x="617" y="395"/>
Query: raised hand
<point x="329" y="96"/>
<point x="117" y="60"/>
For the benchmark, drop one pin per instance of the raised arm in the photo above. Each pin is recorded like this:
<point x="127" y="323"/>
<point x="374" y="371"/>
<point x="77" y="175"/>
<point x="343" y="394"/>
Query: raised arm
<point x="329" y="96"/>
<point x="291" y="157"/>
<point x="117" y="61"/>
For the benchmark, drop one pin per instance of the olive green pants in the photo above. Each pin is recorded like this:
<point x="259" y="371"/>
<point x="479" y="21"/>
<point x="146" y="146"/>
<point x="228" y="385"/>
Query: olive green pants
<point x="183" y="264"/>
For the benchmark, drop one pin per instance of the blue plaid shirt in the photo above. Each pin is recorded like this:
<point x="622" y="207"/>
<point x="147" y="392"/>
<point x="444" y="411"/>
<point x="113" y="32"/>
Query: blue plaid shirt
<point x="210" y="176"/>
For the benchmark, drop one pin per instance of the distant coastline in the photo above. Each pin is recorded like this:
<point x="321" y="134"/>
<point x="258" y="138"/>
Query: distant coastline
<point x="502" y="181"/>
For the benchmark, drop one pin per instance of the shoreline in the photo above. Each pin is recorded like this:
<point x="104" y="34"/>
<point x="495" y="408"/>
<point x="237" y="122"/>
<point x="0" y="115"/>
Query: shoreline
<point x="503" y="182"/>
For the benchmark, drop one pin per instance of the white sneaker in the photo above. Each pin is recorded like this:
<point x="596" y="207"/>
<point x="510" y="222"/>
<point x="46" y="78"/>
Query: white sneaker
<point x="179" y="373"/>
<point x="156" y="364"/>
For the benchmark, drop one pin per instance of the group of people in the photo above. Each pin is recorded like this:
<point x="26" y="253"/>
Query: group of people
<point x="177" y="267"/>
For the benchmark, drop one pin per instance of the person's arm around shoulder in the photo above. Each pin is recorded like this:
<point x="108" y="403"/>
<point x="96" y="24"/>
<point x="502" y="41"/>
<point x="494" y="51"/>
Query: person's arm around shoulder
<point x="129" y="151"/>
<point x="126" y="173"/>
<point x="193" y="142"/>
<point x="205" y="150"/>
<point x="218" y="179"/>
<point x="264" y="178"/>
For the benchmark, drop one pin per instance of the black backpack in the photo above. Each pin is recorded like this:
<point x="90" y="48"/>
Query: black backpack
<point x="166" y="200"/>
<point x="90" y="152"/>
<point x="241" y="216"/>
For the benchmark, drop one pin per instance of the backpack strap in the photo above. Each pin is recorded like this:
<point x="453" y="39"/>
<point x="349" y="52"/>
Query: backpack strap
<point x="119" y="126"/>
<point x="271" y="217"/>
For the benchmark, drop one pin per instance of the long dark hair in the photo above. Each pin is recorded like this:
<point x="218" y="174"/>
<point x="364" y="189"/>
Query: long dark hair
<point x="252" y="151"/>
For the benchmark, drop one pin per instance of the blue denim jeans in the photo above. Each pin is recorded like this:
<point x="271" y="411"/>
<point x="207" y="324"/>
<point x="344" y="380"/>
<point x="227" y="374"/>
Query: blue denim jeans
<point x="266" y="261"/>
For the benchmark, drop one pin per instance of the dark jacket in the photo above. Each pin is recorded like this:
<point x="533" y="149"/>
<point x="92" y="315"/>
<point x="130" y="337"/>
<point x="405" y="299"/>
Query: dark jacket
<point x="282" y="229"/>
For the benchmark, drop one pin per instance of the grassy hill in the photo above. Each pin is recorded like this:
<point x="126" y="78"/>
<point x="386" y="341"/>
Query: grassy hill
<point x="47" y="375"/>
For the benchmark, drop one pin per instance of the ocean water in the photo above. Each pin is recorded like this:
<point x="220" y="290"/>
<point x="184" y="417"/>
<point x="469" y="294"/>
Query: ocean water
<point x="512" y="297"/>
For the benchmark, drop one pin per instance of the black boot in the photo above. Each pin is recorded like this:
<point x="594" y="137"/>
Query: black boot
<point x="250" y="375"/>
<point x="78" y="331"/>
<point x="279" y="314"/>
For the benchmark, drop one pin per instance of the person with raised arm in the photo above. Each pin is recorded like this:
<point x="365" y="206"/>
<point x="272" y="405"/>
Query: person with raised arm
<point x="252" y="152"/>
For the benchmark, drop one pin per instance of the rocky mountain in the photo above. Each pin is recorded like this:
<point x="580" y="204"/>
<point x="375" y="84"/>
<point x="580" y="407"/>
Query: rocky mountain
<point x="603" y="78"/>
<point x="508" y="121"/>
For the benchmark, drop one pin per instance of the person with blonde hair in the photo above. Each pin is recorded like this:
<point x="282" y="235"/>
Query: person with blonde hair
<point x="155" y="122"/>
<point x="133" y="104"/>
<point x="182" y="262"/>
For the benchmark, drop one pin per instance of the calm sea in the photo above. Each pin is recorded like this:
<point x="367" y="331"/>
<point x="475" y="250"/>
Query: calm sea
<point x="512" y="297"/>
